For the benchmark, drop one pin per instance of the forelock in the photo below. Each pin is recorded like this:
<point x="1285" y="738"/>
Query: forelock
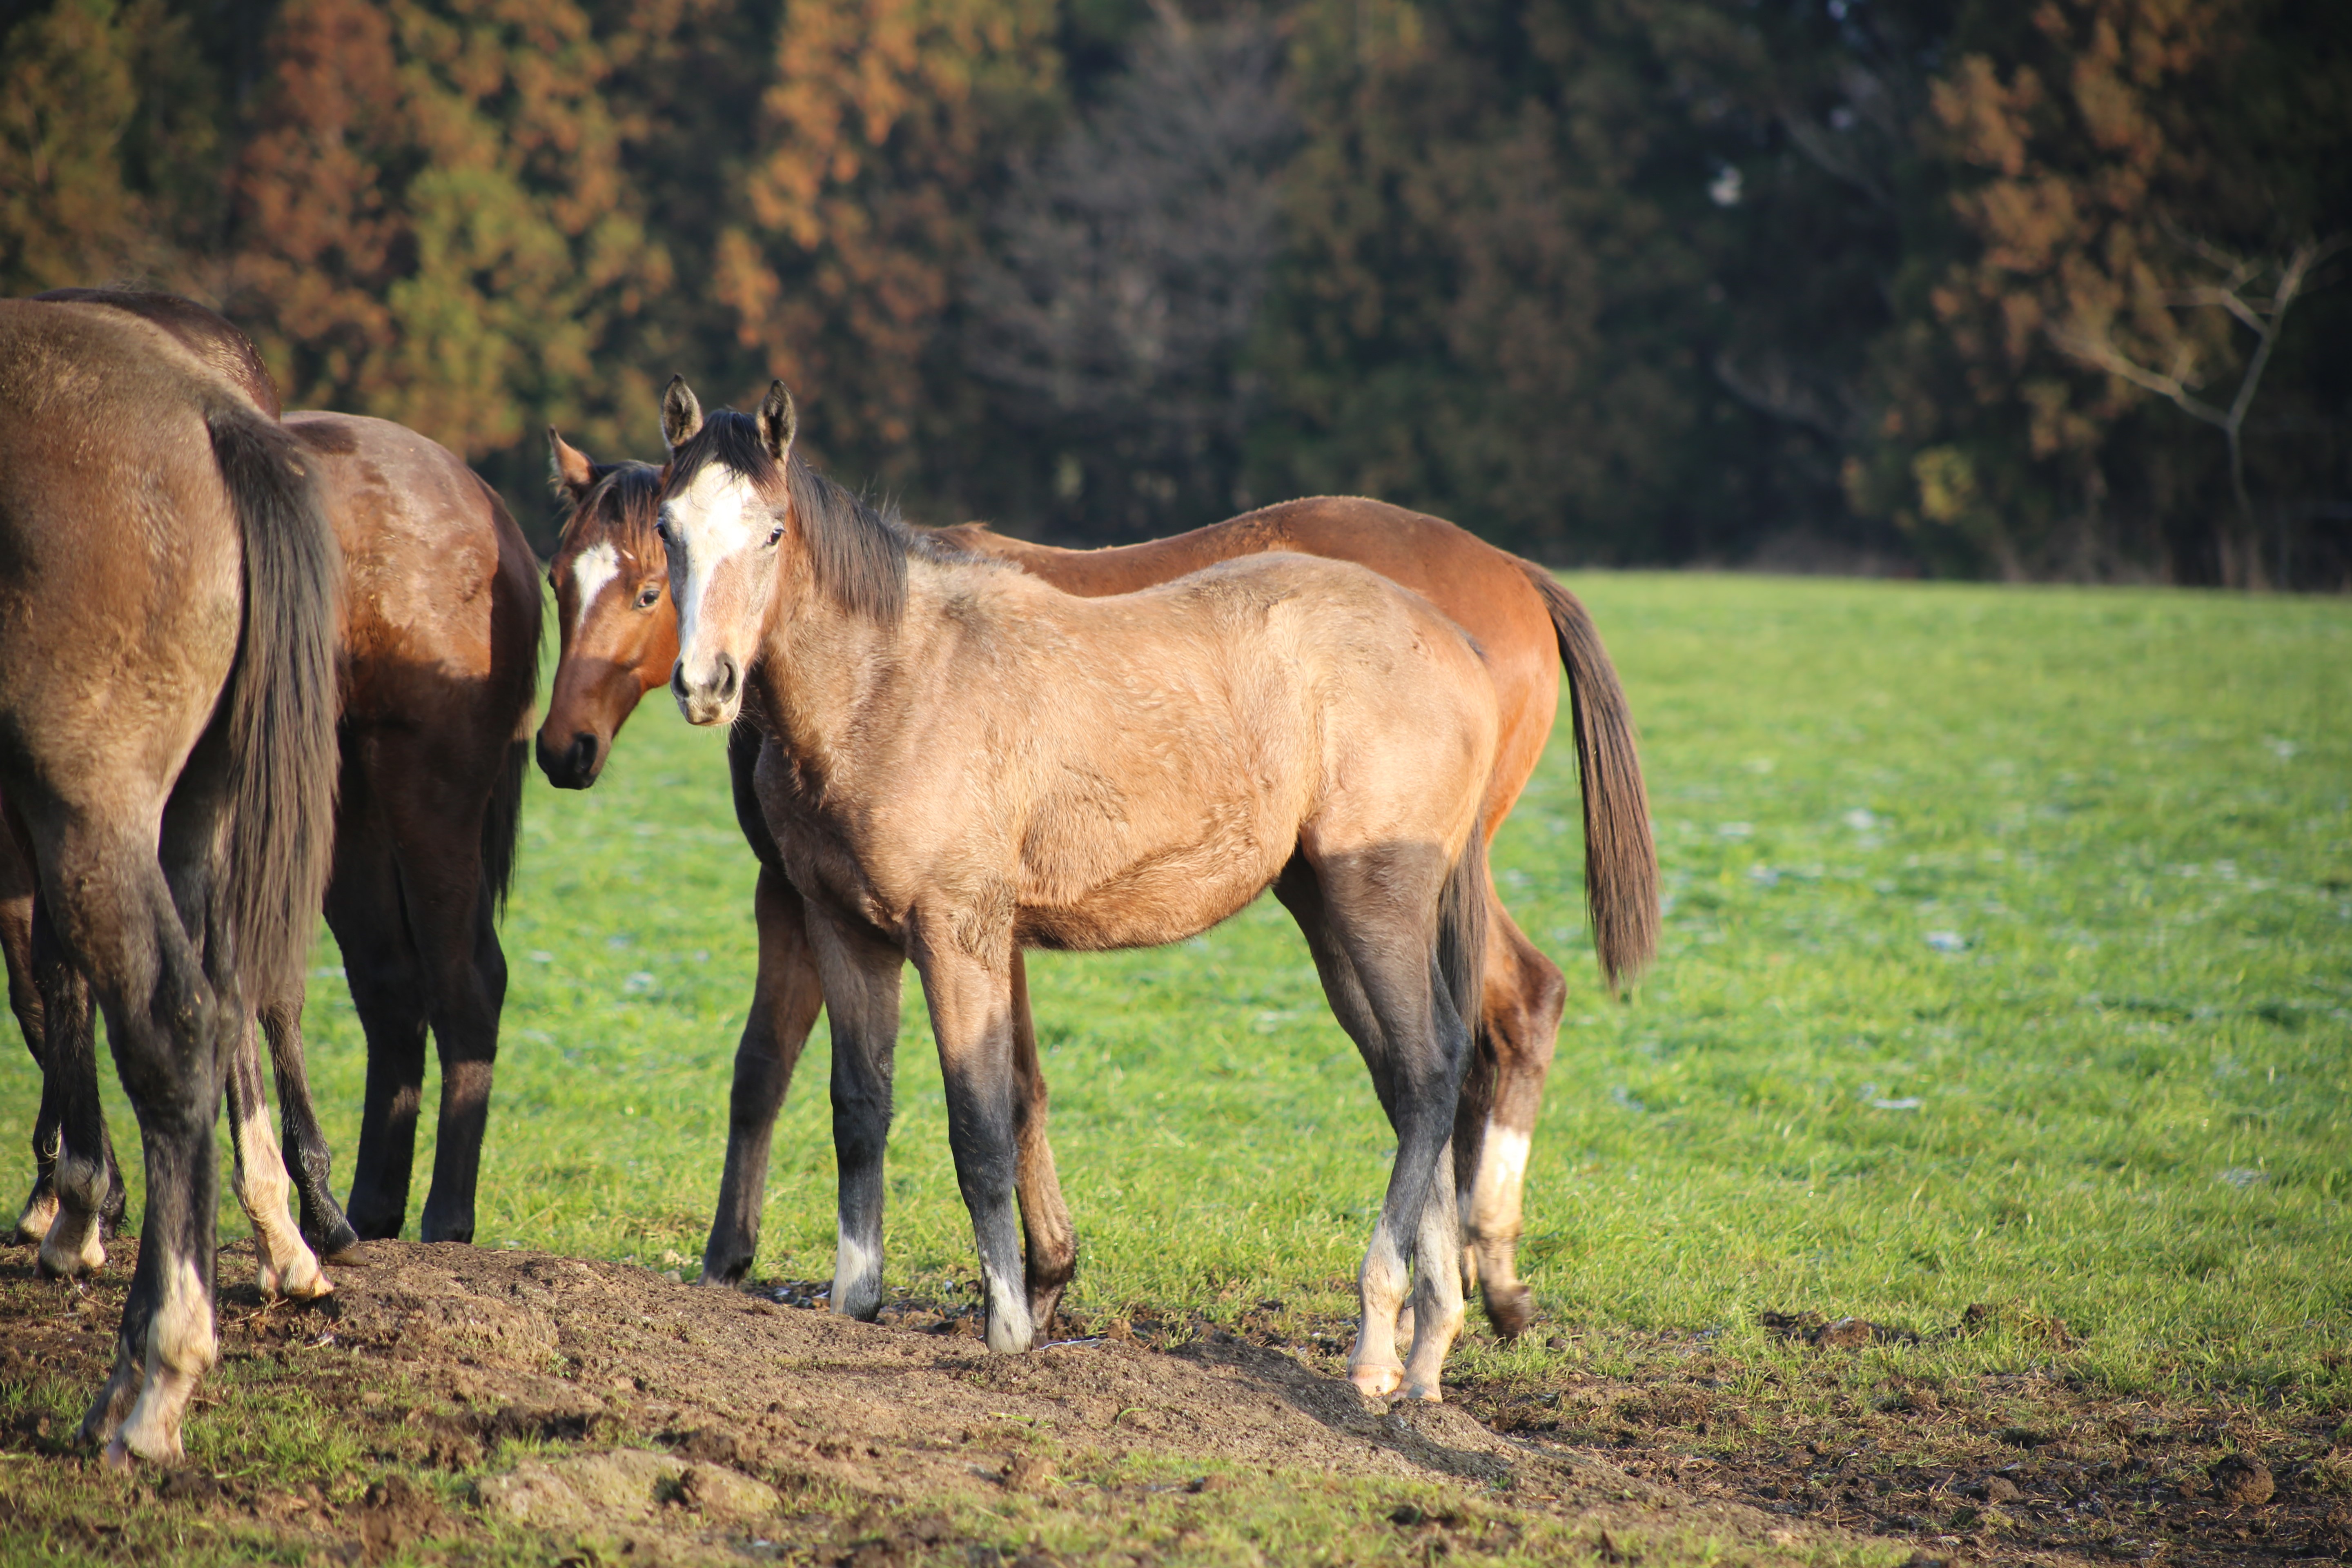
<point x="622" y="505"/>
<point x="730" y="440"/>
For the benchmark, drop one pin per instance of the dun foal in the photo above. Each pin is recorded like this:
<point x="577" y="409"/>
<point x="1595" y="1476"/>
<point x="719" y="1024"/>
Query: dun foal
<point x="619" y="634"/>
<point x="964" y="760"/>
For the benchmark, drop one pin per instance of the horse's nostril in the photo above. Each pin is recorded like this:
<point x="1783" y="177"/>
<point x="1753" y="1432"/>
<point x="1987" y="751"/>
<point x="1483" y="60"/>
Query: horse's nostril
<point x="583" y="755"/>
<point x="727" y="678"/>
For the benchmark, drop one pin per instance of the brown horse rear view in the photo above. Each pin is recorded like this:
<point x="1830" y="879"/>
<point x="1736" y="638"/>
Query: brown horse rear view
<point x="169" y="688"/>
<point x="439" y="665"/>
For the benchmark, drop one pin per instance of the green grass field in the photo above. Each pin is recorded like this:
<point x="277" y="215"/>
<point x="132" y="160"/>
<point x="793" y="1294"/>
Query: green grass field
<point x="2007" y="959"/>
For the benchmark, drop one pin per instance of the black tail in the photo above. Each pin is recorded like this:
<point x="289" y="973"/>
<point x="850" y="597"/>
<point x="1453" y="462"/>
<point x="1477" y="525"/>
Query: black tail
<point x="282" y="700"/>
<point x="518" y="638"/>
<point x="1462" y="931"/>
<point x="502" y="823"/>
<point x="1621" y="860"/>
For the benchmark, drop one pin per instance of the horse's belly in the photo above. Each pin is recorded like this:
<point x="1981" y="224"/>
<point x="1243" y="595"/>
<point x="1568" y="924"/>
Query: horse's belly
<point x="1161" y="899"/>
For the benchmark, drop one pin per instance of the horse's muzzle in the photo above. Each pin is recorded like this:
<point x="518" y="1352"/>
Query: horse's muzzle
<point x="714" y="696"/>
<point x="574" y="766"/>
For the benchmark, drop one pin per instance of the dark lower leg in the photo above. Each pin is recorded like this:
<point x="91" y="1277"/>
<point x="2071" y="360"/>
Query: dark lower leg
<point x="784" y="1005"/>
<point x="25" y="1000"/>
<point x="381" y="1166"/>
<point x="87" y="1183"/>
<point x="862" y="1072"/>
<point x="469" y="973"/>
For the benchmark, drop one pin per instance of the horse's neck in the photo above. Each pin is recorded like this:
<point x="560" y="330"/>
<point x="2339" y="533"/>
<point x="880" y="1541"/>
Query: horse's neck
<point x="829" y="671"/>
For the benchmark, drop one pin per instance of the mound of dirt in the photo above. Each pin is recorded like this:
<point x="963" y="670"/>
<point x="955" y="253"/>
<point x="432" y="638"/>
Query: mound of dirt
<point x="694" y="1420"/>
<point x="602" y="1411"/>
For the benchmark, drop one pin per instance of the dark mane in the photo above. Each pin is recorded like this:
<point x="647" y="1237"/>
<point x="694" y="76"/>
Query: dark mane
<point x="626" y="498"/>
<point x="859" y="551"/>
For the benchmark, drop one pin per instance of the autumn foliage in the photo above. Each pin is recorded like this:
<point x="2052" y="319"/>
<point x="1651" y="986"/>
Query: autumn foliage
<point x="2030" y="289"/>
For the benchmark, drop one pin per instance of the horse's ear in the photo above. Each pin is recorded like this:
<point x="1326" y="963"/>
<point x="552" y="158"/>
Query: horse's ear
<point x="681" y="415"/>
<point x="570" y="471"/>
<point x="778" y="421"/>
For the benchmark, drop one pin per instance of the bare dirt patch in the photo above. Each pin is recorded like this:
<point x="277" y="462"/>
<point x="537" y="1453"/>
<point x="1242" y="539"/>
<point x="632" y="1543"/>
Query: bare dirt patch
<point x="451" y="1402"/>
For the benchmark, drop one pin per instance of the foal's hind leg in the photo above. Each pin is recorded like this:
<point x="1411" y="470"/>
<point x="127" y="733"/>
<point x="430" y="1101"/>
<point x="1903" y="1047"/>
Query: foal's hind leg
<point x="1052" y="1249"/>
<point x="166" y="1022"/>
<point x="284" y="1263"/>
<point x="784" y="1005"/>
<point x="90" y="1199"/>
<point x="1380" y="981"/>
<point x="1522" y="996"/>
<point x="307" y="1160"/>
<point x="25" y="1000"/>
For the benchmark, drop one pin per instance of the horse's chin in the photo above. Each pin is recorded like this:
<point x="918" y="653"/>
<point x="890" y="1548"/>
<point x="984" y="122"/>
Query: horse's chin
<point x="705" y="713"/>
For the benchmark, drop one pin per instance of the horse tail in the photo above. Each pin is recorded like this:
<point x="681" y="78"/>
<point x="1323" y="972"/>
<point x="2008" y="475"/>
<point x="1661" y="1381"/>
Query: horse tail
<point x="282" y="701"/>
<point x="518" y="635"/>
<point x="1621" y="859"/>
<point x="1462" y="931"/>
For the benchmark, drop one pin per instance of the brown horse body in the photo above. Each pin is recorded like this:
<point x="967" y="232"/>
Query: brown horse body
<point x="440" y="665"/>
<point x="437" y="668"/>
<point x="962" y="761"/>
<point x="167" y="616"/>
<point x="619" y="636"/>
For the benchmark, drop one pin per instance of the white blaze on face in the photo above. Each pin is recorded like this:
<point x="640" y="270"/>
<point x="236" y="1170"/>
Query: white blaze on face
<point x="716" y="518"/>
<point x="591" y="569"/>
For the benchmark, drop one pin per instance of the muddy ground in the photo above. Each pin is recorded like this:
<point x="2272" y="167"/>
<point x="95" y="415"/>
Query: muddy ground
<point x="451" y="1403"/>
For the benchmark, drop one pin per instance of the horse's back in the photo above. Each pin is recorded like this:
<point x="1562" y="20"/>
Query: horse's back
<point x="1482" y="589"/>
<point x="438" y="577"/>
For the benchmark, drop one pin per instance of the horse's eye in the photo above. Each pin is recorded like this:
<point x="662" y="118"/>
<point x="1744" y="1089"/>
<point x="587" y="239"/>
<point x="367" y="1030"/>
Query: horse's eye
<point x="774" y="534"/>
<point x="661" y="532"/>
<point x="648" y="595"/>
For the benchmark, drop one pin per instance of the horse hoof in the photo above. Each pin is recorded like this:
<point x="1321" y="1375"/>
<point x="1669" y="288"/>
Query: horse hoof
<point x="60" y="1264"/>
<point x="1511" y="1309"/>
<point x="340" y="1245"/>
<point x="1427" y="1393"/>
<point x="117" y="1457"/>
<point x="302" y="1280"/>
<point x="1375" y="1381"/>
<point x="33" y="1225"/>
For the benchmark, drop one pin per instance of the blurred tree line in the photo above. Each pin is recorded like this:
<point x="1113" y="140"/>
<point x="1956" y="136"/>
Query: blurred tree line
<point x="2013" y="287"/>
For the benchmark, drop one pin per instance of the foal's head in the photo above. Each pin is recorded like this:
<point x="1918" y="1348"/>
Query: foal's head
<point x="612" y="605"/>
<point x="750" y="531"/>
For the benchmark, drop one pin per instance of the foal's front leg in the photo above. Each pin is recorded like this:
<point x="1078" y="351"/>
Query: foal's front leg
<point x="860" y="973"/>
<point x="970" y="999"/>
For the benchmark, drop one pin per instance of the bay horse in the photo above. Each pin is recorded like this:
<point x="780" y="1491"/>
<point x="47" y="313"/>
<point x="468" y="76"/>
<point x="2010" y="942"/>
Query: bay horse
<point x="438" y="670"/>
<point x="962" y="760"/>
<point x="618" y="630"/>
<point x="168" y="594"/>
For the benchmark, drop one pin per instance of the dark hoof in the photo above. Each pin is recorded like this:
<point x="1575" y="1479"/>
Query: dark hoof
<point x="340" y="1245"/>
<point x="463" y="1236"/>
<point x="720" y="1269"/>
<point x="1511" y="1310"/>
<point x="109" y="1219"/>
